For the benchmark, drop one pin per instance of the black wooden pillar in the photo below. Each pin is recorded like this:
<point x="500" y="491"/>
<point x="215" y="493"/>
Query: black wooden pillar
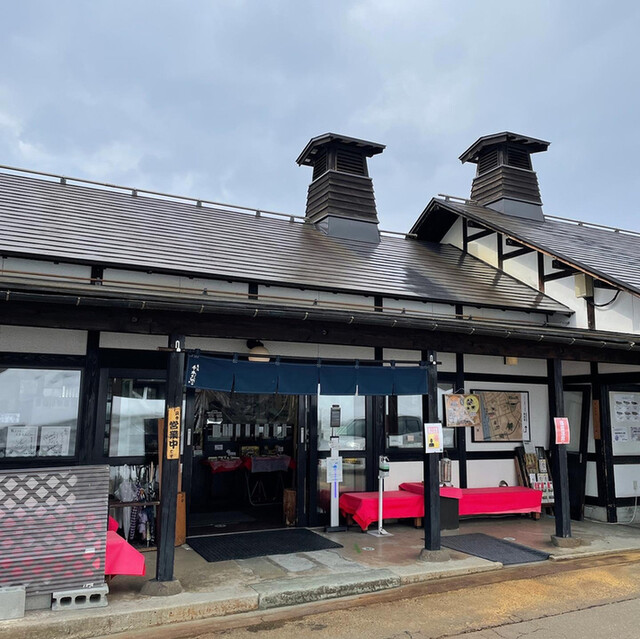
<point x="431" y="460"/>
<point x="461" y="433"/>
<point x="559" y="459"/>
<point x="171" y="461"/>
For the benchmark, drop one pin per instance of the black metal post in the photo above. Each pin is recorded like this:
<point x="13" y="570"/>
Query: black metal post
<point x="431" y="460"/>
<point x="171" y="461"/>
<point x="559" y="464"/>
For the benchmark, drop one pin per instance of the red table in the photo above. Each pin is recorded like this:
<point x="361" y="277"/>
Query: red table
<point x="121" y="557"/>
<point x="487" y="501"/>
<point x="397" y="504"/>
<point x="222" y="465"/>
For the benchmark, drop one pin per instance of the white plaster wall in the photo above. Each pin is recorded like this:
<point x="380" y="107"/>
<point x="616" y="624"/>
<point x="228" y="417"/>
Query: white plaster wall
<point x="618" y="368"/>
<point x="410" y="306"/>
<point x="538" y="415"/>
<point x="591" y="484"/>
<point x="624" y="476"/>
<point x="495" y="365"/>
<point x="621" y="316"/>
<point x="486" y="248"/>
<point x="25" y="339"/>
<point x="482" y="473"/>
<point x="133" y="341"/>
<point x="45" y="268"/>
<point x="496" y="313"/>
<point x="285" y="349"/>
<point x="405" y="471"/>
<point x="563" y="290"/>
<point x="326" y="299"/>
<point x="447" y="360"/>
<point x="454" y="234"/>
<point x="523" y="268"/>
<point x="575" y="368"/>
<point x="160" y="281"/>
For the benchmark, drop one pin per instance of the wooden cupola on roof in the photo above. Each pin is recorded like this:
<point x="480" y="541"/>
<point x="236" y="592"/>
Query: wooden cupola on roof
<point x="340" y="200"/>
<point x="505" y="180"/>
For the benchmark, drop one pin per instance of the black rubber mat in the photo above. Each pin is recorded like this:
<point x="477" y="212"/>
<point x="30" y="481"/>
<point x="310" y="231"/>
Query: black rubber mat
<point x="493" y="549"/>
<point x="199" y="520"/>
<point x="257" y="544"/>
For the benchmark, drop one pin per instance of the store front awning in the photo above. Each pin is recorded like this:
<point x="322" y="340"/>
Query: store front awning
<point x="213" y="373"/>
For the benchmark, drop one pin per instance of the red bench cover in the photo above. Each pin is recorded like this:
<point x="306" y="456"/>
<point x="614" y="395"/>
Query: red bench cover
<point x="487" y="501"/>
<point x="397" y="504"/>
<point x="121" y="557"/>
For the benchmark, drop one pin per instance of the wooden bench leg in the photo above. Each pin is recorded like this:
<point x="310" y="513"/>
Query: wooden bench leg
<point x="536" y="515"/>
<point x="417" y="522"/>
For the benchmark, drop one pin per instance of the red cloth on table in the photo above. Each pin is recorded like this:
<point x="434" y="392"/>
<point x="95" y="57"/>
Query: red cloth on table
<point x="112" y="524"/>
<point x="222" y="465"/>
<point x="396" y="504"/>
<point x="487" y="501"/>
<point x="267" y="463"/>
<point x="121" y="557"/>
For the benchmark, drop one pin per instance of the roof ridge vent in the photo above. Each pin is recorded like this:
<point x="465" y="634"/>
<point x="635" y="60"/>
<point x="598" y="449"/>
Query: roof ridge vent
<point x="340" y="201"/>
<point x="505" y="180"/>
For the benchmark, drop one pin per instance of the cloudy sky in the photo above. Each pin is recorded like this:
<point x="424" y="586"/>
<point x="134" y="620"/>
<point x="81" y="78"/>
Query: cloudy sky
<point x="215" y="99"/>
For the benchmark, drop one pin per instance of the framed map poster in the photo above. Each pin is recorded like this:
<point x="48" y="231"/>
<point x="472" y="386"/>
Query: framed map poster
<point x="504" y="416"/>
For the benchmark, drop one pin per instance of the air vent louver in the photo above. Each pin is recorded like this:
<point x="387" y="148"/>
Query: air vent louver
<point x="320" y="164"/>
<point x="518" y="158"/>
<point x="349" y="161"/>
<point x="488" y="161"/>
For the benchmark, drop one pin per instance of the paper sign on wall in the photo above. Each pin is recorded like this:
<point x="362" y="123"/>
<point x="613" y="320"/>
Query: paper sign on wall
<point x="433" y="438"/>
<point x="173" y="432"/>
<point x="563" y="432"/>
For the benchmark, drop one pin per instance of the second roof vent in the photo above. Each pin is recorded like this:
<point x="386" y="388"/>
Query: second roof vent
<point x="505" y="180"/>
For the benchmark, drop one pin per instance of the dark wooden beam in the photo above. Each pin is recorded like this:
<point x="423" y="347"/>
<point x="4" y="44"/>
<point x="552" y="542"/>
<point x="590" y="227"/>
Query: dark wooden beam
<point x="559" y="452"/>
<point x="431" y="460"/>
<point x="461" y="433"/>
<point x="295" y="330"/>
<point x="479" y="235"/>
<point x="518" y="253"/>
<point x="171" y="461"/>
<point x="550" y="277"/>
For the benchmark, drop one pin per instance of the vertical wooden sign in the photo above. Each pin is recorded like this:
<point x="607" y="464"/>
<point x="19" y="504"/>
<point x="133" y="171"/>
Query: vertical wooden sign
<point x="173" y="432"/>
<point x="596" y="420"/>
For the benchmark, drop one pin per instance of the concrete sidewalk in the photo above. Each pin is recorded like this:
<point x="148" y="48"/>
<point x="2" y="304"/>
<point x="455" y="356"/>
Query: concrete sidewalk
<point x="364" y="564"/>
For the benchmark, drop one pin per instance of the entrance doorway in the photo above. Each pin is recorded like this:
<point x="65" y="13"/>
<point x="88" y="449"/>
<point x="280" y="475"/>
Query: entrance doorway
<point x="247" y="460"/>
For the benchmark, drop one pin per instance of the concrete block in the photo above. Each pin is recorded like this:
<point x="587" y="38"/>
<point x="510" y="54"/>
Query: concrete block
<point x="12" y="602"/>
<point x="38" y="602"/>
<point x="95" y="597"/>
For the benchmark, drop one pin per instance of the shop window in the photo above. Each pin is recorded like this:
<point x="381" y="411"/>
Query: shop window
<point x="404" y="421"/>
<point x="133" y="410"/>
<point x="38" y="412"/>
<point x="353" y="427"/>
<point x="354" y="479"/>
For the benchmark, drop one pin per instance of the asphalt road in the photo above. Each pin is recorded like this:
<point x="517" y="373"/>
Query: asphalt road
<point x="582" y="598"/>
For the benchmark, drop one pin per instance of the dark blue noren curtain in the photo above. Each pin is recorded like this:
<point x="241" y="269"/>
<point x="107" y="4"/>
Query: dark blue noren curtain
<point x="302" y="379"/>
<point x="338" y="380"/>
<point x="410" y="380"/>
<point x="297" y="379"/>
<point x="255" y="377"/>
<point x="375" y="380"/>
<point x="209" y="373"/>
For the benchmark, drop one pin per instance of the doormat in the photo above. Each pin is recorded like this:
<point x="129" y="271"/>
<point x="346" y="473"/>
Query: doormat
<point x="200" y="520"/>
<point x="493" y="549"/>
<point x="257" y="544"/>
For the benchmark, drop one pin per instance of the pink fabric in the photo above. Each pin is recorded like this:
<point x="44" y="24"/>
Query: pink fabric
<point x="487" y="501"/>
<point x="397" y="504"/>
<point x="112" y="524"/>
<point x="121" y="557"/>
<point x="222" y="465"/>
